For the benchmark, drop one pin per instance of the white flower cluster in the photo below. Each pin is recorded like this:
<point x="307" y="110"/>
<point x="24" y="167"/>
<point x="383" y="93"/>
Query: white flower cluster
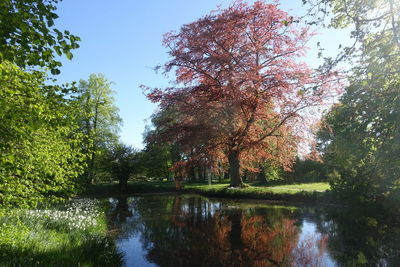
<point x="79" y="215"/>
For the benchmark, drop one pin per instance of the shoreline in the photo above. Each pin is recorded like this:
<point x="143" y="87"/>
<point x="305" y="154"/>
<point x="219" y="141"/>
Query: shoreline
<point x="305" y="196"/>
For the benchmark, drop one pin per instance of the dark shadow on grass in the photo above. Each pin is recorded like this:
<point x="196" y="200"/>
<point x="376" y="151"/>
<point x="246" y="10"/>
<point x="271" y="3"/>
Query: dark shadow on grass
<point x="97" y="251"/>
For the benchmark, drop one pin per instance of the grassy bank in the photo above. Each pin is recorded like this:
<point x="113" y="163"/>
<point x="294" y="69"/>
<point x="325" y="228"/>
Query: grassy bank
<point x="289" y="192"/>
<point x="308" y="192"/>
<point x="67" y="235"/>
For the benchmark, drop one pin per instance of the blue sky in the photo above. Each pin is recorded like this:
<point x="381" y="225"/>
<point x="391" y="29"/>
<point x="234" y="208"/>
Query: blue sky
<point x="122" y="40"/>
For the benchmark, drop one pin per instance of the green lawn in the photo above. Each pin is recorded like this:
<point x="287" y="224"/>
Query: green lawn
<point x="257" y="188"/>
<point x="306" y="192"/>
<point x="320" y="187"/>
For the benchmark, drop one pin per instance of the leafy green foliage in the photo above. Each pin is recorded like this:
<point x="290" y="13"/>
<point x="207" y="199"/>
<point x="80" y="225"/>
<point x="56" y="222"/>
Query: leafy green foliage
<point x="307" y="170"/>
<point x="361" y="141"/>
<point x="122" y="162"/>
<point x="99" y="121"/>
<point x="360" y="137"/>
<point x="28" y="36"/>
<point x="39" y="139"/>
<point x="156" y="160"/>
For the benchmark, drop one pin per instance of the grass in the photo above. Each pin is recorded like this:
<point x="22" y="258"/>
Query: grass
<point x="296" y="193"/>
<point x="67" y="235"/>
<point x="289" y="192"/>
<point x="291" y="188"/>
<point x="306" y="192"/>
<point x="257" y="188"/>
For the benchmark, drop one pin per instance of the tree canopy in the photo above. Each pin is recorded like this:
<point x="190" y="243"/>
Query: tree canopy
<point x="99" y="119"/>
<point x="360" y="136"/>
<point x="39" y="140"/>
<point x="28" y="36"/>
<point x="245" y="93"/>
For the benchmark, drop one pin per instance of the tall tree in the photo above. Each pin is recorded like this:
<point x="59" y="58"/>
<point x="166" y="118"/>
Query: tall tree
<point x="100" y="119"/>
<point x="360" y="136"/>
<point x="245" y="94"/>
<point x="28" y="36"/>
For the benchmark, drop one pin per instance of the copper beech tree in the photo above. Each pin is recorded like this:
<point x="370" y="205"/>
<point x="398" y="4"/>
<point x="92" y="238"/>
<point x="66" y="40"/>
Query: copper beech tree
<point x="242" y="95"/>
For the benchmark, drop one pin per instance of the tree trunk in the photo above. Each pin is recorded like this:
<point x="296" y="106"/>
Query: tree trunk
<point x="91" y="173"/>
<point x="235" y="237"/>
<point x="261" y="175"/>
<point x="192" y="175"/>
<point x="123" y="184"/>
<point x="92" y="170"/>
<point x="234" y="167"/>
<point x="245" y="174"/>
<point x="226" y="175"/>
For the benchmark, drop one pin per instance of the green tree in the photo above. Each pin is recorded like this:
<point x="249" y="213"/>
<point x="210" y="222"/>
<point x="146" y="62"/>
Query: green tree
<point x="40" y="141"/>
<point x="361" y="135"/>
<point x="161" y="154"/>
<point x="156" y="160"/>
<point x="308" y="170"/>
<point x="122" y="163"/>
<point x="99" y="120"/>
<point x="28" y="36"/>
<point x="40" y="138"/>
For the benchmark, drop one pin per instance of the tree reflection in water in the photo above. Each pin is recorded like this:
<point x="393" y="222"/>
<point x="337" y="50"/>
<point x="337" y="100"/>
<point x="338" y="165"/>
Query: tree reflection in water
<point x="362" y="237"/>
<point x="186" y="230"/>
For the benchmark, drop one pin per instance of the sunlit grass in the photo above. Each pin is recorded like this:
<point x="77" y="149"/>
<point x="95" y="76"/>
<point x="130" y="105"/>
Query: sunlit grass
<point x="71" y="235"/>
<point x="256" y="188"/>
<point x="303" y="187"/>
<point x="310" y="192"/>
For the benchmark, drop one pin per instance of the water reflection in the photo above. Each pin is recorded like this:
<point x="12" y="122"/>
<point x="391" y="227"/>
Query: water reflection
<point x="184" y="230"/>
<point x="362" y="238"/>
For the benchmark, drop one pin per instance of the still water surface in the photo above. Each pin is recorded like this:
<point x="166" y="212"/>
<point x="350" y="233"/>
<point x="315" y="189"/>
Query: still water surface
<point x="190" y="230"/>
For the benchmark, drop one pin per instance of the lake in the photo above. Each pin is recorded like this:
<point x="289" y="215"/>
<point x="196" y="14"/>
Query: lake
<point x="191" y="230"/>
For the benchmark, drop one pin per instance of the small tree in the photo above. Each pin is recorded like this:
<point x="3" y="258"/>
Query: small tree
<point x="122" y="163"/>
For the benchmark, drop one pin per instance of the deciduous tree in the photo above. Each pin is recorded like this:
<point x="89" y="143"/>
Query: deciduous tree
<point x="100" y="120"/>
<point x="243" y="94"/>
<point x="122" y="162"/>
<point x="28" y="36"/>
<point x="40" y="139"/>
<point x="360" y="136"/>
